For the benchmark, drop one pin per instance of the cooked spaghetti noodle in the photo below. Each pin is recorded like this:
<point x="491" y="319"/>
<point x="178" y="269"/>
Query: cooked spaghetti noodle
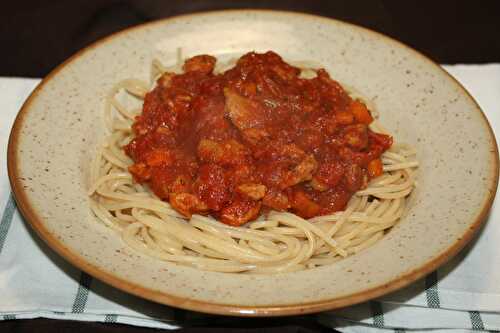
<point x="275" y="242"/>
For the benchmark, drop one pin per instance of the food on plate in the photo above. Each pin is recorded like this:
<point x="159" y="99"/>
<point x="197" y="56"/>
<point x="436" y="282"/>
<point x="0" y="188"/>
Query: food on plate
<point x="254" y="168"/>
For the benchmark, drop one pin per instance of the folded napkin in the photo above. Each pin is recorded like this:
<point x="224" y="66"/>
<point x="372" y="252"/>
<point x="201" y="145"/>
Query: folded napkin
<point x="35" y="282"/>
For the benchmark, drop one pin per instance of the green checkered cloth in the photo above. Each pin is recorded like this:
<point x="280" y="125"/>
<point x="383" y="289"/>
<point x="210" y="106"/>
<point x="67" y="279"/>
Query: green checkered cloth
<point x="463" y="295"/>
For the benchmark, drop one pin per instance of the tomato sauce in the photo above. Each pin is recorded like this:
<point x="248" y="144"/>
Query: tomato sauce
<point x="254" y="138"/>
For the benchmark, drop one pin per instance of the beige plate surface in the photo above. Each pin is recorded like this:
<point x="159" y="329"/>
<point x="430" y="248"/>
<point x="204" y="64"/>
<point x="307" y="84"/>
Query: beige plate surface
<point x="60" y="125"/>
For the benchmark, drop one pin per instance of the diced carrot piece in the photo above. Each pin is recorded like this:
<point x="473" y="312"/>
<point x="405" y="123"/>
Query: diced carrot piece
<point x="344" y="117"/>
<point x="158" y="157"/>
<point x="375" y="168"/>
<point x="303" y="205"/>
<point x="140" y="171"/>
<point x="361" y="113"/>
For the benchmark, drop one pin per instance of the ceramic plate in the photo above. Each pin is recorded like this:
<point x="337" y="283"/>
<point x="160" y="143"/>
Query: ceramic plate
<point x="59" y="127"/>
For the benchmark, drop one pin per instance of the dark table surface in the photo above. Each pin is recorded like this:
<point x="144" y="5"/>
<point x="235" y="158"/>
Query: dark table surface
<point x="38" y="35"/>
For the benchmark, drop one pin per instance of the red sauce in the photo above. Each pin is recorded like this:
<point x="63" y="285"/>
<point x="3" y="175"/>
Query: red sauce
<point x="256" y="137"/>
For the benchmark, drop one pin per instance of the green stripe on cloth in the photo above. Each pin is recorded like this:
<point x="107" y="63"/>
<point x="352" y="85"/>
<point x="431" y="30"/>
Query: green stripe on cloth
<point x="476" y="320"/>
<point x="110" y="318"/>
<point x="9" y="317"/>
<point x="377" y="313"/>
<point x="431" y="290"/>
<point x="82" y="294"/>
<point x="7" y="215"/>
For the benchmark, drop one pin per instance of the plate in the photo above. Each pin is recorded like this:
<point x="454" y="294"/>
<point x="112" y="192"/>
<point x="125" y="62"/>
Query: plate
<point x="60" y="125"/>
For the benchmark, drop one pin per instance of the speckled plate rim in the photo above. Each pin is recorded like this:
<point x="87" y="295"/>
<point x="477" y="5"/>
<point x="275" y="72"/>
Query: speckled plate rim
<point x="75" y="259"/>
